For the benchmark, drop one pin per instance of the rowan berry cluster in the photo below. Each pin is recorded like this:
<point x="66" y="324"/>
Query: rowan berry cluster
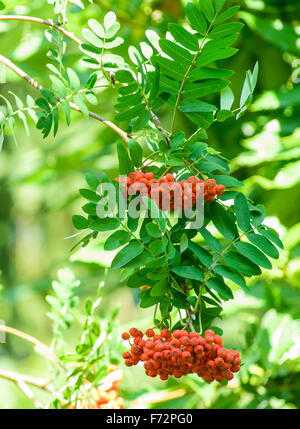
<point x="181" y="353"/>
<point x="168" y="193"/>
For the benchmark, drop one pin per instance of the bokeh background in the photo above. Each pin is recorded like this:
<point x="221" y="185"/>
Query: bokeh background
<point x="39" y="182"/>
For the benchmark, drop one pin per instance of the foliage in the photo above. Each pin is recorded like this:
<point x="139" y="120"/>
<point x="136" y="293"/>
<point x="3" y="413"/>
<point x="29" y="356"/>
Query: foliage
<point x="261" y="319"/>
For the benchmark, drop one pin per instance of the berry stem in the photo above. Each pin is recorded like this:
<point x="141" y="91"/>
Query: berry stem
<point x="191" y="165"/>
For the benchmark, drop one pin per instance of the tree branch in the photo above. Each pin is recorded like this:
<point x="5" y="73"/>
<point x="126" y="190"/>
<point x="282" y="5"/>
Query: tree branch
<point x="41" y="21"/>
<point x="22" y="378"/>
<point x="30" y="339"/>
<point x="73" y="106"/>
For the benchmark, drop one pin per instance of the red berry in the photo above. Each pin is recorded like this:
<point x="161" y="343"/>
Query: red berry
<point x="158" y="356"/>
<point x="150" y="333"/>
<point x="149" y="176"/>
<point x="133" y="332"/>
<point x="170" y="177"/>
<point x="186" y="356"/>
<point x="219" y="362"/>
<point x="128" y="362"/>
<point x="165" y="333"/>
<point x="125" y="336"/>
<point x="220" y="189"/>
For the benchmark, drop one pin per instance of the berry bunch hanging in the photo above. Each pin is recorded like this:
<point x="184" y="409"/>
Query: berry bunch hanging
<point x="181" y="353"/>
<point x="169" y="193"/>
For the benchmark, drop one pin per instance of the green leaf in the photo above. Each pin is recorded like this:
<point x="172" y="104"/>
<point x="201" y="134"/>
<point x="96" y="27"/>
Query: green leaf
<point x="104" y="224"/>
<point x="141" y="121"/>
<point x="116" y="240"/>
<point x="129" y="100"/>
<point x="109" y="20"/>
<point x="196" y="106"/>
<point x="42" y="103"/>
<point x="153" y="230"/>
<point x="189" y="272"/>
<point x="55" y="113"/>
<point x="184" y="243"/>
<point x="196" y="90"/>
<point x="91" y="81"/>
<point x="135" y="55"/>
<point x="219" y="5"/>
<point x="227" y="181"/>
<point x="223" y="221"/>
<point x="58" y="86"/>
<point x="242" y="212"/>
<point x="219" y="286"/>
<point x="254" y="254"/>
<point x="157" y="247"/>
<point x="73" y="79"/>
<point x="124" y="76"/>
<point x="136" y="152"/>
<point x="170" y="68"/>
<point x="130" y="113"/>
<point x="203" y="255"/>
<point x="268" y="233"/>
<point x="80" y="222"/>
<point x="200" y="73"/>
<point x="224" y="30"/>
<point x="241" y="264"/>
<point x="196" y="18"/>
<point x="93" y="179"/>
<point x="160" y="288"/>
<point x="138" y="279"/>
<point x="227" y="99"/>
<point x="222" y="115"/>
<point x="67" y="111"/>
<point x="97" y="28"/>
<point x="231" y="275"/>
<point x="155" y="212"/>
<point x="125" y="164"/>
<point x="79" y="101"/>
<point x="127" y="254"/>
<point x="176" y="52"/>
<point x="2" y="5"/>
<point x="203" y="120"/>
<point x="89" y="195"/>
<point x="207" y="8"/>
<point x="184" y="37"/>
<point x="257" y="214"/>
<point x="263" y="244"/>
<point x="177" y="140"/>
<point x="214" y="55"/>
<point x="229" y="13"/>
<point x="210" y="240"/>
<point x="147" y="300"/>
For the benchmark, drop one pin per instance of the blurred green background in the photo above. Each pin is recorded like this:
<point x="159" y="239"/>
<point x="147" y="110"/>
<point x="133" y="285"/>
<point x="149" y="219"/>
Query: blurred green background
<point x="39" y="182"/>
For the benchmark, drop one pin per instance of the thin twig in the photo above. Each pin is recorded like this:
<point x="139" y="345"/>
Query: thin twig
<point x="186" y="76"/>
<point x="191" y="165"/>
<point x="22" y="382"/>
<point x="41" y="21"/>
<point x="42" y="383"/>
<point x="73" y="106"/>
<point x="30" y="339"/>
